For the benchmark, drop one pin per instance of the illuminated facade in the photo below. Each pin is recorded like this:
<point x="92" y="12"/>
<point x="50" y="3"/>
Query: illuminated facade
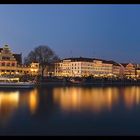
<point x="137" y="66"/>
<point x="78" y="67"/>
<point x="129" y="70"/>
<point x="11" y="64"/>
<point x="74" y="67"/>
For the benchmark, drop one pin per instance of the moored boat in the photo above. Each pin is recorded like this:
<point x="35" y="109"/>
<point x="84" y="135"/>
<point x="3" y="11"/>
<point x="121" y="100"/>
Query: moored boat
<point x="7" y="82"/>
<point x="77" y="80"/>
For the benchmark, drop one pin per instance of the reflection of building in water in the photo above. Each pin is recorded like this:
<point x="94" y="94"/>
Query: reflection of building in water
<point x="95" y="99"/>
<point x="8" y="105"/>
<point x="33" y="101"/>
<point x="29" y="100"/>
<point x="131" y="96"/>
<point x="10" y="102"/>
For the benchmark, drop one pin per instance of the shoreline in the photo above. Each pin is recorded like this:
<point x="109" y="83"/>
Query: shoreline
<point x="90" y="84"/>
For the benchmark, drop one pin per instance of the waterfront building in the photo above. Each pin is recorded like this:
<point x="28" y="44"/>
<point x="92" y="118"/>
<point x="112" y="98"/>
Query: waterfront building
<point x="137" y="67"/>
<point x="49" y="70"/>
<point x="116" y="69"/>
<point x="129" y="70"/>
<point x="11" y="63"/>
<point x="102" y="68"/>
<point x="74" y="67"/>
<point x="138" y="72"/>
<point x="79" y="67"/>
<point x="106" y="68"/>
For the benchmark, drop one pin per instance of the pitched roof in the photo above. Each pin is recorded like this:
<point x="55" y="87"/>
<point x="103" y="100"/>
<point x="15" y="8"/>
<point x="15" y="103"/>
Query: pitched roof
<point x="79" y="59"/>
<point x="124" y="64"/>
<point x="18" y="57"/>
<point x="113" y="62"/>
<point x="91" y="60"/>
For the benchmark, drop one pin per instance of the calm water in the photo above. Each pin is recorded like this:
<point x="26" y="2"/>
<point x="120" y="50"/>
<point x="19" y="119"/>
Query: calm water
<point x="71" y="111"/>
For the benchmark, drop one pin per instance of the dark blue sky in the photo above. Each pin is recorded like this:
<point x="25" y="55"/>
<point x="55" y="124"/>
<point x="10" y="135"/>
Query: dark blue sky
<point x="102" y="31"/>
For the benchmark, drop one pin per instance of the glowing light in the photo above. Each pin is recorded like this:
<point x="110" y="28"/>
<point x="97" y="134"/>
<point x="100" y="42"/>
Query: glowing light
<point x="76" y="99"/>
<point x="33" y="101"/>
<point x="8" y="104"/>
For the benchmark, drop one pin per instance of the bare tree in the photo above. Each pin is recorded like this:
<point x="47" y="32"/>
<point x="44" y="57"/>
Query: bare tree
<point x="42" y="55"/>
<point x="30" y="58"/>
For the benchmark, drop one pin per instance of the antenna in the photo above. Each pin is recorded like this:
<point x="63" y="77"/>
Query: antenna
<point x="71" y="54"/>
<point x="93" y="55"/>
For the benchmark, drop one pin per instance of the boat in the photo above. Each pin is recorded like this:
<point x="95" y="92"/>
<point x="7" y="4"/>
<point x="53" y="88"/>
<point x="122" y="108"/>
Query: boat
<point x="9" y="82"/>
<point x="77" y="80"/>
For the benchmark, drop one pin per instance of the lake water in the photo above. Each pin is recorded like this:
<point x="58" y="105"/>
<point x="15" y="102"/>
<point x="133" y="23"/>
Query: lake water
<point x="70" y="111"/>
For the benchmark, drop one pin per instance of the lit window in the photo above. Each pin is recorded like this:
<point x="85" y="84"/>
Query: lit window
<point x="5" y="58"/>
<point x="3" y="64"/>
<point x="8" y="64"/>
<point x="13" y="64"/>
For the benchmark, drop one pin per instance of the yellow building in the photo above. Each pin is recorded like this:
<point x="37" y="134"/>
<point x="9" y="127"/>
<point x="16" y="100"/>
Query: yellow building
<point x="74" y="67"/>
<point x="102" y="68"/>
<point x="138" y="72"/>
<point x="137" y="67"/>
<point x="11" y="64"/>
<point x="129" y="70"/>
<point x="78" y="67"/>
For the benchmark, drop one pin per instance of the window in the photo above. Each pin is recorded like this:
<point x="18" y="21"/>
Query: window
<point x="3" y="64"/>
<point x="8" y="64"/>
<point x="13" y="64"/>
<point x="5" y="58"/>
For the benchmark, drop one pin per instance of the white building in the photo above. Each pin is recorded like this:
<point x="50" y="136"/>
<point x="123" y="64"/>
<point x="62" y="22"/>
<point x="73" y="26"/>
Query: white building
<point x="78" y="67"/>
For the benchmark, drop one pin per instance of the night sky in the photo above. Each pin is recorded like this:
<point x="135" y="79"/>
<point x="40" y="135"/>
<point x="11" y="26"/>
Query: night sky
<point x="99" y="31"/>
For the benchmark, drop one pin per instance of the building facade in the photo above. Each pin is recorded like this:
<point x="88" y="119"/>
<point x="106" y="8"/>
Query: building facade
<point x="11" y="64"/>
<point x="129" y="70"/>
<point x="137" y="67"/>
<point x="79" y="67"/>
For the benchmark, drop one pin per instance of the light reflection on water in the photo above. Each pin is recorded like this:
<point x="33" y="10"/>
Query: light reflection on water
<point x="49" y="105"/>
<point x="131" y="96"/>
<point x="71" y="99"/>
<point x="78" y="99"/>
<point x="8" y="105"/>
<point x="11" y="101"/>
